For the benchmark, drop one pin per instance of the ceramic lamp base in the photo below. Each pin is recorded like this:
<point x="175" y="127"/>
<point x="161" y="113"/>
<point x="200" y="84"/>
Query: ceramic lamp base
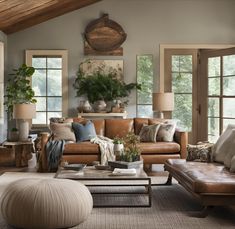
<point x="23" y="130"/>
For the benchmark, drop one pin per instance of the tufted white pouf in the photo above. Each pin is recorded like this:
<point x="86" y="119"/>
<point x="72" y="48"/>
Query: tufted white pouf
<point x="46" y="203"/>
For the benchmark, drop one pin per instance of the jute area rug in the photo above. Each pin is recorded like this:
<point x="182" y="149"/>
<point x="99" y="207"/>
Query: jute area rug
<point x="171" y="209"/>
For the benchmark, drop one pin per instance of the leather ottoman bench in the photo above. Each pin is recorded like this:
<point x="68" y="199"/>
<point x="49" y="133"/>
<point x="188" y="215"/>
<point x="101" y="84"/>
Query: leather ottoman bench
<point x="211" y="183"/>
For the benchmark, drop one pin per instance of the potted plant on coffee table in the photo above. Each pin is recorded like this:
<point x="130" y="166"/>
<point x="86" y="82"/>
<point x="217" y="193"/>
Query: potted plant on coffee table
<point x="118" y="147"/>
<point x="131" y="149"/>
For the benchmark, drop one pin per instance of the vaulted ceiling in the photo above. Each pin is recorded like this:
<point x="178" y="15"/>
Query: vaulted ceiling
<point x="16" y="15"/>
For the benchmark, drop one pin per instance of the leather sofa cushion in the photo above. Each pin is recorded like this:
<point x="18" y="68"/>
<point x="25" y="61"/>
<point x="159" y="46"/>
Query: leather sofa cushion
<point x="98" y="123"/>
<point x="153" y="121"/>
<point x="138" y="124"/>
<point x="159" y="147"/>
<point x="202" y="177"/>
<point x="118" y="127"/>
<point x="81" y="148"/>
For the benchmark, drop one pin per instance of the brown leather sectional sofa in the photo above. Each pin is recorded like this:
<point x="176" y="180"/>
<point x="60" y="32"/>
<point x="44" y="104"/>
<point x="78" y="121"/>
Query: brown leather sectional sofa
<point x="152" y="153"/>
<point x="211" y="183"/>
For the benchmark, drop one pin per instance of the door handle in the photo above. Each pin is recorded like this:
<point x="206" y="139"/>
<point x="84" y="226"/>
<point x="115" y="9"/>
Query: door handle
<point x="199" y="109"/>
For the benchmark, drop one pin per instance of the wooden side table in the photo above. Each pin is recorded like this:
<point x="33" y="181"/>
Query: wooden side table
<point x="21" y="150"/>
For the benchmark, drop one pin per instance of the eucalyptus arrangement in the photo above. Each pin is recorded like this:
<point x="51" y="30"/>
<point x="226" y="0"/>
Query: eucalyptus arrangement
<point x="18" y="88"/>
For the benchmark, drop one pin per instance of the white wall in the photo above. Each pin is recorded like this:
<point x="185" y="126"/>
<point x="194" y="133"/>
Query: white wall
<point x="3" y="65"/>
<point x="147" y="23"/>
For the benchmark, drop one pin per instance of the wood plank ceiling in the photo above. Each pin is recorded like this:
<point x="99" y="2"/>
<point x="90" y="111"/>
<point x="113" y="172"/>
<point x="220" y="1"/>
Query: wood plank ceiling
<point x="16" y="15"/>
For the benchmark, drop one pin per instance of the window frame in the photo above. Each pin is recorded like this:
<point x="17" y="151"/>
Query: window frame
<point x="29" y="54"/>
<point x="168" y="83"/>
<point x="205" y="55"/>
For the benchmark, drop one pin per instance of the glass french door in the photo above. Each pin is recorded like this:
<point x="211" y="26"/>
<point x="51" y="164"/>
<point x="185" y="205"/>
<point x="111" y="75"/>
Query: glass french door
<point x="181" y="78"/>
<point x="217" y="92"/>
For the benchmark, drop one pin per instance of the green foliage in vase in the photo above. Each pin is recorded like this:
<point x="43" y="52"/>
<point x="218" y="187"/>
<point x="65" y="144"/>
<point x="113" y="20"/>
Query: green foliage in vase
<point x="118" y="140"/>
<point x="102" y="86"/>
<point x="131" y="149"/>
<point x="18" y="88"/>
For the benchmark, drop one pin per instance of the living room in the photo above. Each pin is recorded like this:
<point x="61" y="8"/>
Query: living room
<point x="158" y="29"/>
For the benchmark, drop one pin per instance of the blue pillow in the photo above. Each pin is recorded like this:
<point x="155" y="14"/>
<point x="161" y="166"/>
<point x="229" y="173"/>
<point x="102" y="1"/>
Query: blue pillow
<point x="84" y="132"/>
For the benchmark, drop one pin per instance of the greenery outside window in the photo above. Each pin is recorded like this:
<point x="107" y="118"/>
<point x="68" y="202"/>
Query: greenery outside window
<point x="49" y="83"/>
<point x="145" y="78"/>
<point x="182" y="86"/>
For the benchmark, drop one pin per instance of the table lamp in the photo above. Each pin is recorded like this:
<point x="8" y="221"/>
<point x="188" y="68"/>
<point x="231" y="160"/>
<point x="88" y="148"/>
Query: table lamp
<point x="163" y="101"/>
<point x="23" y="112"/>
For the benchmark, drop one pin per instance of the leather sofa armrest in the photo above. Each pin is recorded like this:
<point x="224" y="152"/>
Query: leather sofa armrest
<point x="181" y="137"/>
<point x="43" y="165"/>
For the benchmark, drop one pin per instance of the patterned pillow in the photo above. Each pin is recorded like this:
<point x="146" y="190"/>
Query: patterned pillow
<point x="84" y="132"/>
<point x="200" y="152"/>
<point x="149" y="133"/>
<point x="62" y="131"/>
<point x="166" y="132"/>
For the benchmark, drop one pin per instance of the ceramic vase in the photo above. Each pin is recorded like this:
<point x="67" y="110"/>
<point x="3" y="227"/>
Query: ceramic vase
<point x="87" y="107"/>
<point x="100" y="106"/>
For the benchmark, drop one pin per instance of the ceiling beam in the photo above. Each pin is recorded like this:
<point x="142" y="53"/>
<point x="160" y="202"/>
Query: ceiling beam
<point x="40" y="11"/>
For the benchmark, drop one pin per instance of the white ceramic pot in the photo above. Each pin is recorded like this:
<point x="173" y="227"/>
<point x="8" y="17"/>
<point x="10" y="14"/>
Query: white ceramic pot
<point x="118" y="147"/>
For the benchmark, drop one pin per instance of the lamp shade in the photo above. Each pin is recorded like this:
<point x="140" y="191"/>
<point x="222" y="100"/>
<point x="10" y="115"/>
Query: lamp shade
<point x="24" y="111"/>
<point x="163" y="101"/>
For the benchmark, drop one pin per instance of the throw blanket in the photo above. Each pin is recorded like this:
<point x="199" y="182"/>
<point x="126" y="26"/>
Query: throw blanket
<point x="106" y="148"/>
<point x="54" y="150"/>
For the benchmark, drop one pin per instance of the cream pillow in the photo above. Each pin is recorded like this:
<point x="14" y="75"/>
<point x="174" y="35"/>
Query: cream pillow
<point x="222" y="145"/>
<point x="62" y="131"/>
<point x="231" y="149"/>
<point x="166" y="132"/>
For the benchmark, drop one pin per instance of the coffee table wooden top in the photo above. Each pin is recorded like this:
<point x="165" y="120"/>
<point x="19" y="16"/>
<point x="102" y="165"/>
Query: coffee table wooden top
<point x="91" y="173"/>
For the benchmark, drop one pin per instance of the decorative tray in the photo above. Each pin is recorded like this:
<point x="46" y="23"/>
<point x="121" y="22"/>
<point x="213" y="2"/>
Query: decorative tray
<point x="102" y="167"/>
<point x="76" y="167"/>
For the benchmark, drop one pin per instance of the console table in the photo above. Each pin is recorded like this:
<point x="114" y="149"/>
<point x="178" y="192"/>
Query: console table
<point x="103" y="115"/>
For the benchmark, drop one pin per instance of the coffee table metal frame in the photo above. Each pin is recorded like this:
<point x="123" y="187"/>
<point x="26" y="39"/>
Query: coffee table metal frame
<point x="108" y="177"/>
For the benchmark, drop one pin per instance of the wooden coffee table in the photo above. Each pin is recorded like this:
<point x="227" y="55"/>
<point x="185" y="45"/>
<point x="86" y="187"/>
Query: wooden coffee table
<point x="93" y="177"/>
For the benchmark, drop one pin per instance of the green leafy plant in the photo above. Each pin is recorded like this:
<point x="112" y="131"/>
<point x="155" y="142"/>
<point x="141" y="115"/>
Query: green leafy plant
<point x="102" y="86"/>
<point x="118" y="140"/>
<point x="18" y="88"/>
<point x="131" y="149"/>
<point x="14" y="129"/>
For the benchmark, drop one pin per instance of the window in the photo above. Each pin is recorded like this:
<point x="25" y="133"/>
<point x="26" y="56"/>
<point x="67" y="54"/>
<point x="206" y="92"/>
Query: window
<point x="145" y="78"/>
<point x="49" y="83"/>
